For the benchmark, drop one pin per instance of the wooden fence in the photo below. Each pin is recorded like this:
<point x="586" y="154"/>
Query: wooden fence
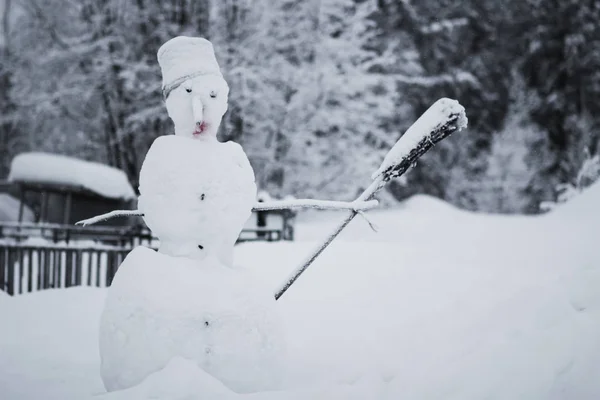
<point x="37" y="256"/>
<point x="57" y="233"/>
<point x="27" y="268"/>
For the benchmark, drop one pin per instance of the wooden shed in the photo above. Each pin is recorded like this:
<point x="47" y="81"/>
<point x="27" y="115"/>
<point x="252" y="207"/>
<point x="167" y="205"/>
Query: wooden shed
<point x="63" y="190"/>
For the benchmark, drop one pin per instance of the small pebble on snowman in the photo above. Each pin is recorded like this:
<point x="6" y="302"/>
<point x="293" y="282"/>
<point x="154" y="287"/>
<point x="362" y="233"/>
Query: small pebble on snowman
<point x="188" y="299"/>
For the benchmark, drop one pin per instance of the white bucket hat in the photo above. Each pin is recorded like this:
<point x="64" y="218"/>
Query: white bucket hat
<point x="183" y="58"/>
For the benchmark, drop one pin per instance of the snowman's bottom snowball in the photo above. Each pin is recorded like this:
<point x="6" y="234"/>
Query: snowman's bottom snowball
<point x="160" y="307"/>
<point x="180" y="379"/>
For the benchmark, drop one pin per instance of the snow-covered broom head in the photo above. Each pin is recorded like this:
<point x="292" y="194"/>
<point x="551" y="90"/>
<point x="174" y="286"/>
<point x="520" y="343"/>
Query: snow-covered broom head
<point x="193" y="86"/>
<point x="440" y="120"/>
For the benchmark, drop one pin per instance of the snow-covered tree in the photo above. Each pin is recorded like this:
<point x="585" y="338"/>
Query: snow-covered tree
<point x="88" y="71"/>
<point x="261" y="76"/>
<point x="6" y="105"/>
<point x="511" y="171"/>
<point x="319" y="88"/>
<point x="312" y="117"/>
<point x="561" y="63"/>
<point x="340" y="118"/>
<point x="588" y="173"/>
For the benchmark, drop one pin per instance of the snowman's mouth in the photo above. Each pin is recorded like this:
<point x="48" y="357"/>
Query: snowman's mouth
<point x="200" y="129"/>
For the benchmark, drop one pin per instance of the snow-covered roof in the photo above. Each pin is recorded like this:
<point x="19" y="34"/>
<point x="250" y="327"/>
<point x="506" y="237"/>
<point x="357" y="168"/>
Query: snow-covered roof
<point x="58" y="169"/>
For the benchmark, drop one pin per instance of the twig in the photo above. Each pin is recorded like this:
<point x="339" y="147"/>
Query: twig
<point x="262" y="206"/>
<point x="316" y="204"/>
<point x="110" y="215"/>
<point x="375" y="186"/>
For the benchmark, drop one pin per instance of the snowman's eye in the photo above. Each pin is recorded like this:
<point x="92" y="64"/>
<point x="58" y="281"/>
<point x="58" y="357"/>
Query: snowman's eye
<point x="213" y="94"/>
<point x="189" y="90"/>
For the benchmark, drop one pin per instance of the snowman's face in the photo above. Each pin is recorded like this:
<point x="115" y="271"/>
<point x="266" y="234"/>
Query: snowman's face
<point x="198" y="105"/>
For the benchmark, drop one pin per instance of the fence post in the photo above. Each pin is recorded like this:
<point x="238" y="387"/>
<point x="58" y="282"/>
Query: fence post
<point x="29" y="270"/>
<point x="78" y="267"/>
<point x="38" y="262"/>
<point x="46" y="274"/>
<point x="21" y="269"/>
<point x="3" y="253"/>
<point x="88" y="265"/>
<point x="110" y="266"/>
<point x="11" y="274"/>
<point x="98" y="265"/>
<point x="56" y="269"/>
<point x="25" y="268"/>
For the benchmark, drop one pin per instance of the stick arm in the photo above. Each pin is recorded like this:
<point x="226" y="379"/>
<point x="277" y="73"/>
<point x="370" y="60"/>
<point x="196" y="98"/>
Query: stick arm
<point x="357" y="205"/>
<point x="110" y="215"/>
<point x="365" y="197"/>
<point x="443" y="118"/>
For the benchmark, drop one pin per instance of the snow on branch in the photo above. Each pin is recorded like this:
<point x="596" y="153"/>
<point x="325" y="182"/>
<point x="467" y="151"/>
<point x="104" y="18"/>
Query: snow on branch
<point x="110" y="215"/>
<point x="358" y="206"/>
<point x="448" y="24"/>
<point x="463" y="77"/>
<point x="417" y="24"/>
<point x="444" y="115"/>
<point x="412" y="17"/>
<point x="316" y="204"/>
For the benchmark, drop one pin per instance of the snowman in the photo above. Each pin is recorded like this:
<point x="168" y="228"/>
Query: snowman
<point x="188" y="299"/>
<point x="207" y="186"/>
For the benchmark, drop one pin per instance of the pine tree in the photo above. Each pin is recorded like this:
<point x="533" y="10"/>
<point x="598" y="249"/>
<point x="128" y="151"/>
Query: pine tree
<point x="340" y="117"/>
<point x="88" y="71"/>
<point x="509" y="182"/>
<point x="561" y="64"/>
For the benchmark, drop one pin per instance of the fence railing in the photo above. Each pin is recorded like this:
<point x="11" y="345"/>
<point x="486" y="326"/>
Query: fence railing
<point x="37" y="256"/>
<point x="28" y="268"/>
<point x="113" y="235"/>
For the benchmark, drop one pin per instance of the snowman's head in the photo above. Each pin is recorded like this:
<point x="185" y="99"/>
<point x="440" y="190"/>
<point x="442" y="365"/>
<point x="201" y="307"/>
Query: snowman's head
<point x="193" y="87"/>
<point x="198" y="105"/>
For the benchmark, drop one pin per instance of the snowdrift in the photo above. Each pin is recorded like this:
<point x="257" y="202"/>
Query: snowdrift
<point x="582" y="207"/>
<point x="439" y="304"/>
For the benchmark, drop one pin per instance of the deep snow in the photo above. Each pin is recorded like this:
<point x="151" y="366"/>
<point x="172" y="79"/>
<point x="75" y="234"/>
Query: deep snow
<point x="159" y="307"/>
<point x="439" y="304"/>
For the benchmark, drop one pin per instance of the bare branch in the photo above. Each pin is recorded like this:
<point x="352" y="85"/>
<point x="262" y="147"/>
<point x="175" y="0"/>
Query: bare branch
<point x="315" y="204"/>
<point x="264" y="206"/>
<point x="110" y="215"/>
<point x="39" y="13"/>
<point x="448" y="24"/>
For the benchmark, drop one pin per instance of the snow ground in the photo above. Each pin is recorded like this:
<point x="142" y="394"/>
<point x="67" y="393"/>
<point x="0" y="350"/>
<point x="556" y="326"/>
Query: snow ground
<point x="439" y="304"/>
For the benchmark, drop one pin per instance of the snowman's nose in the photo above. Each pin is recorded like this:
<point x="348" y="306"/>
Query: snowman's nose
<point x="198" y="110"/>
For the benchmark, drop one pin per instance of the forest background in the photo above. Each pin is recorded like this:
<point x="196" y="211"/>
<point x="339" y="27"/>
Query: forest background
<point x="321" y="89"/>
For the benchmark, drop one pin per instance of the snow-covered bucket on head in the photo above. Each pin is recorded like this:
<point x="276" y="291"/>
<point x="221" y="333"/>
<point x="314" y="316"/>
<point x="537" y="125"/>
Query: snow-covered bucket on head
<point x="193" y="86"/>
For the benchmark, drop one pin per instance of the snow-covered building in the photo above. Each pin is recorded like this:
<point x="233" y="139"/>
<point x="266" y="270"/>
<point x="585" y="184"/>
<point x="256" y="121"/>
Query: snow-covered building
<point x="64" y="190"/>
<point x="41" y="199"/>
